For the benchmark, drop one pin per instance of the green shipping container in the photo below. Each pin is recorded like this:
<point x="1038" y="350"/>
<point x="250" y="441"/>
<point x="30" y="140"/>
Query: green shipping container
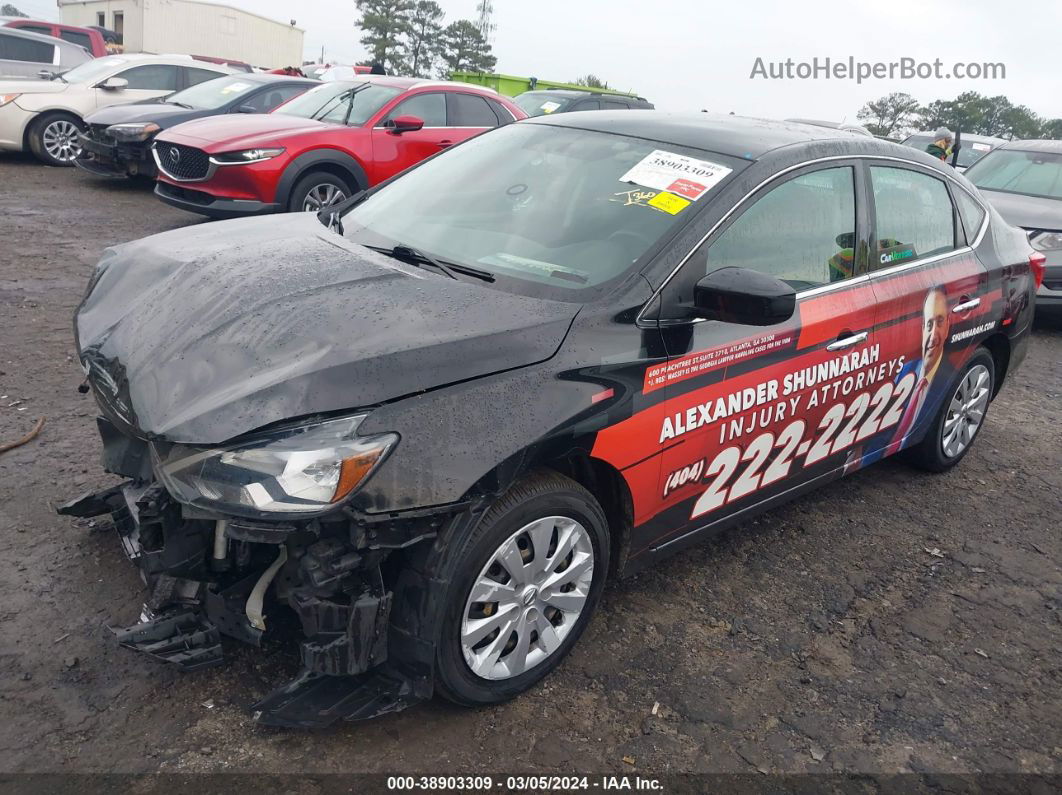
<point x="511" y="86"/>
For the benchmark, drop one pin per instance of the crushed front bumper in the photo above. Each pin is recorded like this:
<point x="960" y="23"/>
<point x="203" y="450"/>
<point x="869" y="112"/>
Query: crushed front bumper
<point x="208" y="578"/>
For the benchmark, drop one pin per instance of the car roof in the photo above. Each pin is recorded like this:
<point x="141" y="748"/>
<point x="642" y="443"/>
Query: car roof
<point x="577" y="93"/>
<point x="974" y="137"/>
<point x="266" y="77"/>
<point x="407" y="83"/>
<point x="29" y="34"/>
<point x="1034" y="145"/>
<point x="738" y="136"/>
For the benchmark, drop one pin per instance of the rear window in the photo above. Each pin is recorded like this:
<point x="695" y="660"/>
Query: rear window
<point x="16" y="48"/>
<point x="74" y="37"/>
<point x="1017" y="171"/>
<point x="535" y="104"/>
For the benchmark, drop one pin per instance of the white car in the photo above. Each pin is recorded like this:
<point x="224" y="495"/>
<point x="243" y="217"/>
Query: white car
<point x="46" y="116"/>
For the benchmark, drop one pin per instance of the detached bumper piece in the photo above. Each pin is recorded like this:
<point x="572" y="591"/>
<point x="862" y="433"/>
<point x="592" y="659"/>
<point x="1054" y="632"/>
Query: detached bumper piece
<point x="207" y="578"/>
<point x="316" y="701"/>
<point x="182" y="638"/>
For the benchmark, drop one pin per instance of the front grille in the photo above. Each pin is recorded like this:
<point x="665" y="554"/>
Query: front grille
<point x="183" y="162"/>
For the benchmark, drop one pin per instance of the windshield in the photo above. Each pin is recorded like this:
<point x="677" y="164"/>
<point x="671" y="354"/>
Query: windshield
<point x="333" y="102"/>
<point x="1014" y="171"/>
<point x="548" y="210"/>
<point x="94" y="70"/>
<point x="970" y="153"/>
<point x="213" y="93"/>
<point x="537" y="104"/>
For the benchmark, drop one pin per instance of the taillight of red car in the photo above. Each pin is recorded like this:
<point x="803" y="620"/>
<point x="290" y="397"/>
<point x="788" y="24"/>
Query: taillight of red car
<point x="1037" y="264"/>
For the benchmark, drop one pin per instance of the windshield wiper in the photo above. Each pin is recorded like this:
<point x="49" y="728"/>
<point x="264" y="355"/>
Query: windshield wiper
<point x="414" y="256"/>
<point x="179" y="104"/>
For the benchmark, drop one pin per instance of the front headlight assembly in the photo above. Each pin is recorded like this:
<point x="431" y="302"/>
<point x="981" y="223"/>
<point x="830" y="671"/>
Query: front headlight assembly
<point x="304" y="470"/>
<point x="129" y="133"/>
<point x="244" y="157"/>
<point x="1046" y="241"/>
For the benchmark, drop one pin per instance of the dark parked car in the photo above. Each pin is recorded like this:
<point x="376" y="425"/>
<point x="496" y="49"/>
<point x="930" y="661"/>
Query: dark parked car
<point x="1023" y="181"/>
<point x="543" y="103"/>
<point x="117" y="140"/>
<point x="428" y="429"/>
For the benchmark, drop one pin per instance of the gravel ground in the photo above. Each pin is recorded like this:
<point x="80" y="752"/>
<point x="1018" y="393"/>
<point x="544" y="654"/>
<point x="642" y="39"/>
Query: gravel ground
<point x="821" y="637"/>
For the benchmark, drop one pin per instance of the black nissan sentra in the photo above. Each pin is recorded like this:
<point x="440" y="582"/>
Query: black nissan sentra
<point x="117" y="140"/>
<point x="417" y="435"/>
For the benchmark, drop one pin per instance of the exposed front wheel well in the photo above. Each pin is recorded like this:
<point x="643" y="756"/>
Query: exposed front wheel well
<point x="999" y="346"/>
<point x="611" y="492"/>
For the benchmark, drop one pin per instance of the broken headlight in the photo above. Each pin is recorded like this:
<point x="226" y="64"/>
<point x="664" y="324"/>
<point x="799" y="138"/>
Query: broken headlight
<point x="301" y="470"/>
<point x="133" y="132"/>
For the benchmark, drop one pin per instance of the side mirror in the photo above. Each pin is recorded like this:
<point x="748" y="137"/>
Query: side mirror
<point x="247" y="109"/>
<point x="114" y="84"/>
<point x="401" y="124"/>
<point x="739" y="295"/>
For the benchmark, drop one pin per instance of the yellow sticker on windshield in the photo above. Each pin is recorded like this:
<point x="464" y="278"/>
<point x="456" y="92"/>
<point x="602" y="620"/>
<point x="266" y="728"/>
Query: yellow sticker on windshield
<point x="669" y="203"/>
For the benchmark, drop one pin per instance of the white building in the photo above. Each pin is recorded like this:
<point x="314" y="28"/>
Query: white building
<point x="191" y="27"/>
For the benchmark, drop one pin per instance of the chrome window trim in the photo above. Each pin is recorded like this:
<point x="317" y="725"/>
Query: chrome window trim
<point x="639" y="320"/>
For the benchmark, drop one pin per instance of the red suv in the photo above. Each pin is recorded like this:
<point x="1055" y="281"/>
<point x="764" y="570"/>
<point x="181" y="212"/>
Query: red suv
<point x="321" y="147"/>
<point x="92" y="40"/>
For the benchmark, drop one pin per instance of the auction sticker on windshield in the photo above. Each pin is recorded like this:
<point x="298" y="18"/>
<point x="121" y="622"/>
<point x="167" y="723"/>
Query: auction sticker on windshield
<point x="549" y="107"/>
<point x="685" y="176"/>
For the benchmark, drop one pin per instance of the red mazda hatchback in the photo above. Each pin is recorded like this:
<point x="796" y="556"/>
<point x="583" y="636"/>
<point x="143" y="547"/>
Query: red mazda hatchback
<point x="321" y="147"/>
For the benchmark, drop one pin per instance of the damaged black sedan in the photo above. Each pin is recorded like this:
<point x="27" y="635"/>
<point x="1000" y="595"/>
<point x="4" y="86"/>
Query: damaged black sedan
<point x="416" y="435"/>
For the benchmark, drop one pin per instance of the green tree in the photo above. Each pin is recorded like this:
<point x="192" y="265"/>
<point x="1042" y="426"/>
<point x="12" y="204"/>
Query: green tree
<point x="8" y="10"/>
<point x="462" y="48"/>
<point x="1051" y="129"/>
<point x="385" y="24"/>
<point x="892" y="114"/>
<point x="590" y="81"/>
<point x="972" y="112"/>
<point x="423" y="39"/>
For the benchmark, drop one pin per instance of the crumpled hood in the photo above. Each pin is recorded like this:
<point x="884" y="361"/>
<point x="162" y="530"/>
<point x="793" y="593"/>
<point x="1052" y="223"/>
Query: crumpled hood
<point x="200" y="335"/>
<point x="139" y="112"/>
<point x="1028" y="212"/>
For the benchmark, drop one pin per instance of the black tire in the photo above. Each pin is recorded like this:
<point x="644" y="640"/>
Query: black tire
<point x="929" y="454"/>
<point x="48" y="125"/>
<point x="313" y="181"/>
<point x="539" y="495"/>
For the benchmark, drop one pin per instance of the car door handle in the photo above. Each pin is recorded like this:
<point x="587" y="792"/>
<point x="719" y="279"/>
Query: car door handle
<point x="966" y="306"/>
<point x="847" y="342"/>
<point x="446" y="143"/>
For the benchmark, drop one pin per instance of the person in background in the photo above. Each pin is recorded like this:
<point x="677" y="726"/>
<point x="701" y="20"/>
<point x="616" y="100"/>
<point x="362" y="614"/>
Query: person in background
<point x="377" y="68"/>
<point x="941" y="146"/>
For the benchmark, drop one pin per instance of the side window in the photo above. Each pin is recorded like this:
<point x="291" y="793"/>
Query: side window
<point x="502" y="112"/>
<point x="802" y="231"/>
<point x="611" y="104"/>
<point x="273" y="97"/>
<point x="74" y="37"/>
<point x="44" y="30"/>
<point x="971" y="213"/>
<point x="429" y="107"/>
<point x="151" y="77"/>
<point x="14" y="48"/>
<point x="194" y="77"/>
<point x="913" y="216"/>
<point x="467" y="110"/>
<point x="587" y="104"/>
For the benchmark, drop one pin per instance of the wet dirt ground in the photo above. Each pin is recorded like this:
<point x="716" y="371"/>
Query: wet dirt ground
<point x="825" y="636"/>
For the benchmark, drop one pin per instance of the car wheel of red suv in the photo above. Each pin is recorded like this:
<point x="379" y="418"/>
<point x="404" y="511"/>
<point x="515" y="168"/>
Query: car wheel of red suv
<point x="316" y="191"/>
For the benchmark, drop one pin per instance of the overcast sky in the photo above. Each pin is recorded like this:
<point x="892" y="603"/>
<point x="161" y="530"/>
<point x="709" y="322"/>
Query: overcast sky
<point x="693" y="54"/>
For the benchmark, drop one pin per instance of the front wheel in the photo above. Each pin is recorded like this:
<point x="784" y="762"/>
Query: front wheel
<point x="526" y="582"/>
<point x="960" y="417"/>
<point x="54" y="139"/>
<point x="316" y="191"/>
